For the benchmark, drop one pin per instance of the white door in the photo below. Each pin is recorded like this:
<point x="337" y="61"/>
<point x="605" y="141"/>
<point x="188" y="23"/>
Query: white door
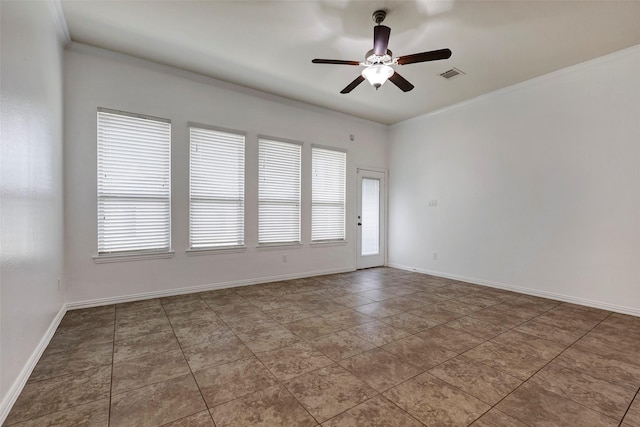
<point x="371" y="221"/>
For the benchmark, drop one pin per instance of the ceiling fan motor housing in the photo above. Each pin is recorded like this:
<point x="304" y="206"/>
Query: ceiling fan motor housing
<point x="371" y="58"/>
<point x="378" y="16"/>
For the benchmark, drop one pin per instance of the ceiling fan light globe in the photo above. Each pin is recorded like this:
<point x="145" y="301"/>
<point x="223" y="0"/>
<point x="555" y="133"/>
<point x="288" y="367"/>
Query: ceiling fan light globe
<point x="377" y="74"/>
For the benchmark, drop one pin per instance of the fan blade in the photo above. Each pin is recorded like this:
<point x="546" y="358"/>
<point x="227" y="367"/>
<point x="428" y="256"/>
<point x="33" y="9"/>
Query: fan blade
<point x="401" y="82"/>
<point x="381" y="35"/>
<point x="433" y="55"/>
<point x="351" y="86"/>
<point x="334" y="61"/>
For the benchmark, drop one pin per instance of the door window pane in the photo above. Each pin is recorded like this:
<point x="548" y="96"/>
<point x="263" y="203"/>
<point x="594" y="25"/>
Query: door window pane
<point x="370" y="216"/>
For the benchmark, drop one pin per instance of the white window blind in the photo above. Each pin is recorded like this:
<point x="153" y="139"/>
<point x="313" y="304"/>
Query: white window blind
<point x="134" y="183"/>
<point x="216" y="210"/>
<point x="278" y="192"/>
<point x="328" y="194"/>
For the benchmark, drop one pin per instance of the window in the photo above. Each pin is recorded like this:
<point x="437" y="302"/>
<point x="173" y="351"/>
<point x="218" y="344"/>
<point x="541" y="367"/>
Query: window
<point x="134" y="183"/>
<point x="370" y="229"/>
<point x="216" y="187"/>
<point x="328" y="194"/>
<point x="278" y="192"/>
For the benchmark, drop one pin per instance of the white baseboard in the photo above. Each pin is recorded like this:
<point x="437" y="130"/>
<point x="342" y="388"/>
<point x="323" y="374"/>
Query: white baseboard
<point x="16" y="388"/>
<point x="544" y="294"/>
<point x="200" y="288"/>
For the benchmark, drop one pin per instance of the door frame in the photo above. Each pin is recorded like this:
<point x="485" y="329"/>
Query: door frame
<point x="385" y="203"/>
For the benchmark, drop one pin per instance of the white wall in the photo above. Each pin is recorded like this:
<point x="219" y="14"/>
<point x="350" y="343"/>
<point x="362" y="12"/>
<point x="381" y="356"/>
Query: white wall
<point x="537" y="186"/>
<point x="31" y="214"/>
<point x="97" y="78"/>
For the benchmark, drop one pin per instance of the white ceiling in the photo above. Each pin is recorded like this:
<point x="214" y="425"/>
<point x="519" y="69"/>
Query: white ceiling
<point x="268" y="45"/>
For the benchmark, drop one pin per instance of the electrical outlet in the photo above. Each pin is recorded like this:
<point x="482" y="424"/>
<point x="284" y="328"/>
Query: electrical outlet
<point x="284" y="258"/>
<point x="435" y="256"/>
<point x="433" y="203"/>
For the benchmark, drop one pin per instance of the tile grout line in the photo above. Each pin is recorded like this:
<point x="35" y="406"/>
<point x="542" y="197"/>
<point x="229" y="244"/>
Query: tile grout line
<point x="635" y="396"/>
<point x="410" y="335"/>
<point x="187" y="363"/>
<point x="398" y="406"/>
<point x="280" y="383"/>
<point x="524" y="381"/>
<point x="62" y="352"/>
<point x="453" y="357"/>
<point x="379" y="347"/>
<point x="378" y="394"/>
<point x="332" y="361"/>
<point x="471" y="348"/>
<point x="434" y="366"/>
<point x="72" y="374"/>
<point x="546" y="364"/>
<point x="444" y="361"/>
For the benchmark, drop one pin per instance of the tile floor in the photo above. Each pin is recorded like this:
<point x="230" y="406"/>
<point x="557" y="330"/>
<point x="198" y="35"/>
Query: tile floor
<point x="377" y="347"/>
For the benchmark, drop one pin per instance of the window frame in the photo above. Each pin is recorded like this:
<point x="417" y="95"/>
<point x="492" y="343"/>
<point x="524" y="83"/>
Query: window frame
<point x="344" y="152"/>
<point x="133" y="254"/>
<point x="221" y="248"/>
<point x="276" y="244"/>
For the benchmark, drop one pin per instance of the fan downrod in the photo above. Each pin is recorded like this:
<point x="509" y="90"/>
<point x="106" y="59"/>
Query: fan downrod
<point x="378" y="16"/>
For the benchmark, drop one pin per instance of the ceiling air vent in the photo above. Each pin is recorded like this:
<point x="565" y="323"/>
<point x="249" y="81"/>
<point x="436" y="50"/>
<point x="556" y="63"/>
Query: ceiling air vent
<point x="454" y="72"/>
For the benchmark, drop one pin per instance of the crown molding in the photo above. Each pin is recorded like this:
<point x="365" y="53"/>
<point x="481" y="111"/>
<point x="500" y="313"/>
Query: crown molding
<point x="60" y="22"/>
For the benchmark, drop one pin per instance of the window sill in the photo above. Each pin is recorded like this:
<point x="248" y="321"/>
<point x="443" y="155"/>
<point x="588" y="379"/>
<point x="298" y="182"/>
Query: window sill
<point x="328" y="243"/>
<point x="275" y="246"/>
<point x="102" y="259"/>
<point x="214" y="251"/>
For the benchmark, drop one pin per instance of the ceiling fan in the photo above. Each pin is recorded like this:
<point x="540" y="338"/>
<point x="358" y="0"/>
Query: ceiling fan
<point x="379" y="60"/>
